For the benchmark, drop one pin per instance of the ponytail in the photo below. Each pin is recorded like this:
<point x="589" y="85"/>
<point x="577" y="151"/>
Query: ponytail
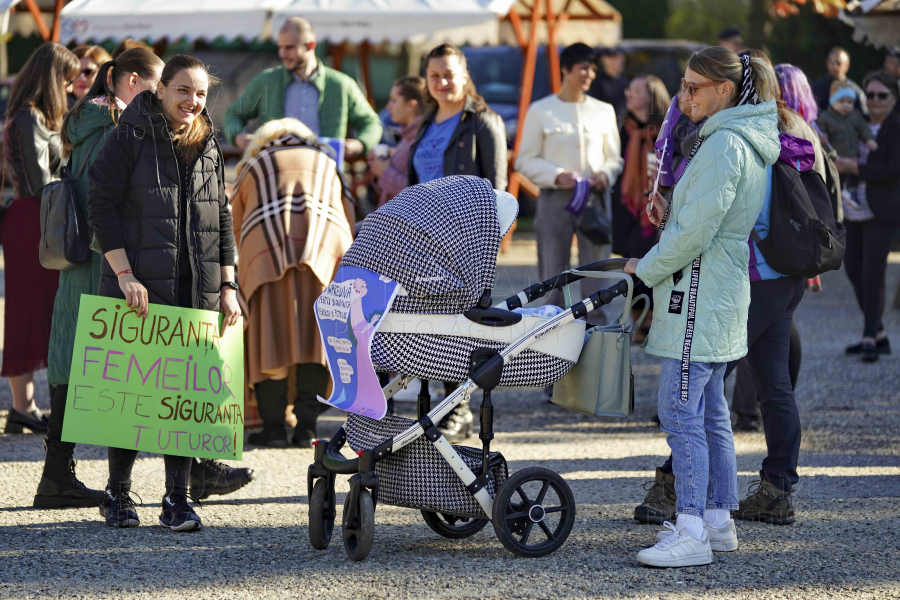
<point x="137" y="60"/>
<point x="717" y="63"/>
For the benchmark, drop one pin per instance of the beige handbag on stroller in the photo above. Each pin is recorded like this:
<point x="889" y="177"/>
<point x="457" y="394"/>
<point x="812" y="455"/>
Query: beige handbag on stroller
<point x="601" y="383"/>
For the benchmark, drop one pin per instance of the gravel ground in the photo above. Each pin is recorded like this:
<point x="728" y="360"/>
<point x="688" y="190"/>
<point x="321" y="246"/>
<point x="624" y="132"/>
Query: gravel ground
<point x="255" y="544"/>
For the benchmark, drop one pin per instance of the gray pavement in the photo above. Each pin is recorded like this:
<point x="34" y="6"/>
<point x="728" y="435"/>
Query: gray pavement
<point x="254" y="543"/>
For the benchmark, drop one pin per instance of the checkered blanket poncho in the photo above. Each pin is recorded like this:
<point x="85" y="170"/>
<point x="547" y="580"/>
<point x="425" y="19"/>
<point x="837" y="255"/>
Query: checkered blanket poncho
<point x="439" y="240"/>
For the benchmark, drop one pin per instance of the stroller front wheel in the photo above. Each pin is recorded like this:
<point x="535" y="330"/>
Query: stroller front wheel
<point x="322" y="511"/>
<point x="359" y="528"/>
<point x="453" y="527"/>
<point x="534" y="512"/>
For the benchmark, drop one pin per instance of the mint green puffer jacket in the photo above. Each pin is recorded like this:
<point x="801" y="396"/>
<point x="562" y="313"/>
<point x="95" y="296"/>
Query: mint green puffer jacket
<point x="714" y="207"/>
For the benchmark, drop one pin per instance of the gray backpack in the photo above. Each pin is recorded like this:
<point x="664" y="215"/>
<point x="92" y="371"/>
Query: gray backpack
<point x="65" y="236"/>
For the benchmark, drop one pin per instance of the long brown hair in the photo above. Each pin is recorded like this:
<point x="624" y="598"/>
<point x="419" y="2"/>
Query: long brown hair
<point x="191" y="140"/>
<point x="98" y="54"/>
<point x="448" y="49"/>
<point x="42" y="82"/>
<point x="137" y="60"/>
<point x="659" y="100"/>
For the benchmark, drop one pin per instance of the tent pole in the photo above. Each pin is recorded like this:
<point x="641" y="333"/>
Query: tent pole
<point x="4" y="56"/>
<point x="364" y="52"/>
<point x="528" y="70"/>
<point x="55" y="34"/>
<point x="553" y="50"/>
<point x="516" y="22"/>
<point x="38" y="19"/>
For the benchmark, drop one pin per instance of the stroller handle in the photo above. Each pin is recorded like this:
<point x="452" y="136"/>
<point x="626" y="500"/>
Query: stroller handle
<point x="539" y="290"/>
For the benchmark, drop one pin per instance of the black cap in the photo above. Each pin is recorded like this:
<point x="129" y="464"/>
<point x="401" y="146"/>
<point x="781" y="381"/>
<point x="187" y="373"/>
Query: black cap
<point x="895" y="52"/>
<point x="729" y="33"/>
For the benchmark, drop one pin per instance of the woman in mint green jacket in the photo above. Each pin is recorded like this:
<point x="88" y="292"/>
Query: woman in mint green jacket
<point x="699" y="275"/>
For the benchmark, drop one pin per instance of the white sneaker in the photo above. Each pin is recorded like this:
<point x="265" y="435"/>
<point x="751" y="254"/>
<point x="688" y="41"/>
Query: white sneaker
<point x="722" y="539"/>
<point x="680" y="549"/>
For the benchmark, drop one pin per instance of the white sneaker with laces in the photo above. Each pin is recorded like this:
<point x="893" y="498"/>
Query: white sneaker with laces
<point x="721" y="539"/>
<point x="680" y="549"/>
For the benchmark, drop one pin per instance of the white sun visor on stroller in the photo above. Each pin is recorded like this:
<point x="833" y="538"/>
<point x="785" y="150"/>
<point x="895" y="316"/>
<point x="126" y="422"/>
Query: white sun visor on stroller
<point x="439" y="241"/>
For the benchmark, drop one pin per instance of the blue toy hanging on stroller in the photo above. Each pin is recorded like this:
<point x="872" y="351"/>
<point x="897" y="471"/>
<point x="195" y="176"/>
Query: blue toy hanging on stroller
<point x="439" y="241"/>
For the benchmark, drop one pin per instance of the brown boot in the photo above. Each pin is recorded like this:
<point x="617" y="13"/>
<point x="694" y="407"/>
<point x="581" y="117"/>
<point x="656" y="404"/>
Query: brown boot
<point x="659" y="504"/>
<point x="767" y="502"/>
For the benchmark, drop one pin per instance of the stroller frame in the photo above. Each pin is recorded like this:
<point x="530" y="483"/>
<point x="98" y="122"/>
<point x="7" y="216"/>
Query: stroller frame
<point x="485" y="369"/>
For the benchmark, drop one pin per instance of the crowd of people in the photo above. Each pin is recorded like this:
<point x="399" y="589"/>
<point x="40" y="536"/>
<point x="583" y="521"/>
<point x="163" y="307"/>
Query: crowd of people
<point x="149" y="178"/>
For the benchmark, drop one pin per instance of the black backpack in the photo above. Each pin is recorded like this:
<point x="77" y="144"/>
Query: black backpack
<point x="804" y="238"/>
<point x="65" y="236"/>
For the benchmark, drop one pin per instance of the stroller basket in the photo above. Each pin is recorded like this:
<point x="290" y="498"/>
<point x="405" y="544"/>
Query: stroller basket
<point x="418" y="476"/>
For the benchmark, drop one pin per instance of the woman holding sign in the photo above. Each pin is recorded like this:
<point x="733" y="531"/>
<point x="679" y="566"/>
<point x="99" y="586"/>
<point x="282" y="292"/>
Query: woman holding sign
<point x="699" y="275"/>
<point x="158" y="209"/>
<point x="84" y="130"/>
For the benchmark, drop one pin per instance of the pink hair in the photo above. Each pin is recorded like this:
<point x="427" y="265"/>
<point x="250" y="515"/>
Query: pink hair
<point x="796" y="91"/>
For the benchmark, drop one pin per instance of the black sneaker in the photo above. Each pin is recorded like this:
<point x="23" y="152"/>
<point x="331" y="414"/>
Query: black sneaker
<point x="747" y="423"/>
<point x="269" y="438"/>
<point x="882" y="346"/>
<point x="117" y="508"/>
<point x="869" y="353"/>
<point x="767" y="502"/>
<point x="209" y="477"/>
<point x="178" y="515"/>
<point x="659" y="503"/>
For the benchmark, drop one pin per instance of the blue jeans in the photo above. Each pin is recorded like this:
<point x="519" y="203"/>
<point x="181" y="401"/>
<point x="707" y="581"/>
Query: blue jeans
<point x="699" y="434"/>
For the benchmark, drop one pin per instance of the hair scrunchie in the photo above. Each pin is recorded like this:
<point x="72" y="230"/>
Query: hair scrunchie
<point x="748" y="90"/>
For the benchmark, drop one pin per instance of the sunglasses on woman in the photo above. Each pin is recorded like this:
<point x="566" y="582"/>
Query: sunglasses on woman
<point x="689" y="88"/>
<point x="87" y="73"/>
<point x="879" y="95"/>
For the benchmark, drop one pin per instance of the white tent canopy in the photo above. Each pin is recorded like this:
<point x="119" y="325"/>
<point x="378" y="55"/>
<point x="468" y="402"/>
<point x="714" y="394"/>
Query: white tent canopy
<point x="474" y="22"/>
<point x="876" y="22"/>
<point x="97" y="20"/>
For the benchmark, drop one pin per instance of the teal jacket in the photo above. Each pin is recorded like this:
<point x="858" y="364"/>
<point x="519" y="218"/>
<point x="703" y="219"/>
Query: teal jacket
<point x="83" y="131"/>
<point x="341" y="103"/>
<point x="714" y="207"/>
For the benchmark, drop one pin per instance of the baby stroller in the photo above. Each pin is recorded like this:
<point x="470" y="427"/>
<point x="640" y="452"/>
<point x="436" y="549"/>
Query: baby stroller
<point x="439" y="240"/>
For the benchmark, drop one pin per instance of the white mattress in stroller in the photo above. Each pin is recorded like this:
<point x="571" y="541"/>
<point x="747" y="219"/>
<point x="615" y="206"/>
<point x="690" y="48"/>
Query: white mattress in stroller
<point x="437" y="348"/>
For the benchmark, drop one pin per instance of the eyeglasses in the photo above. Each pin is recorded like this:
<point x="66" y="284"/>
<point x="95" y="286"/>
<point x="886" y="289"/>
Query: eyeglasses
<point x="879" y="95"/>
<point x="87" y="73"/>
<point x="689" y="88"/>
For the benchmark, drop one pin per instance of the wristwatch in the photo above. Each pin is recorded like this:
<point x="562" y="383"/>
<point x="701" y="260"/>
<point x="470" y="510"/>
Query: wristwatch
<point x="232" y="284"/>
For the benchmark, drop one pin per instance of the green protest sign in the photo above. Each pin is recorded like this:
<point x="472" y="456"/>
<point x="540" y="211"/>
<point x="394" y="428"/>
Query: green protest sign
<point x="172" y="383"/>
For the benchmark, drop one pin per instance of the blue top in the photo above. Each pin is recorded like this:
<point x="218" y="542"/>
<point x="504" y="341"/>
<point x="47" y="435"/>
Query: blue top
<point x="759" y="270"/>
<point x="429" y="159"/>
<point x="301" y="101"/>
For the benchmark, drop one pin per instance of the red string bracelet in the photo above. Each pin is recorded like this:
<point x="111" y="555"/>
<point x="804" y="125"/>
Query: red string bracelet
<point x="124" y="272"/>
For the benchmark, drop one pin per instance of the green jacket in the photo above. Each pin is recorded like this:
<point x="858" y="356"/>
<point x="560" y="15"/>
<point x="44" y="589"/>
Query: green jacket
<point x="713" y="209"/>
<point x="82" y="131"/>
<point x="341" y="103"/>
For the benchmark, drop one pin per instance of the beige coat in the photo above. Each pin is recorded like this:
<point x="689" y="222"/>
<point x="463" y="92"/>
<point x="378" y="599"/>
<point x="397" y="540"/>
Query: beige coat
<point x="292" y="224"/>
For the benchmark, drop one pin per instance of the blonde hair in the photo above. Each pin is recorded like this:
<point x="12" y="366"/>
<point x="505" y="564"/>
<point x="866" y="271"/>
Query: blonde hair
<point x="272" y="131"/>
<point x="717" y="63"/>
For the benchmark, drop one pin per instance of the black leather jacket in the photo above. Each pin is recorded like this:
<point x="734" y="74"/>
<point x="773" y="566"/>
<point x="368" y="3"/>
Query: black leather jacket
<point x="477" y="146"/>
<point x="32" y="153"/>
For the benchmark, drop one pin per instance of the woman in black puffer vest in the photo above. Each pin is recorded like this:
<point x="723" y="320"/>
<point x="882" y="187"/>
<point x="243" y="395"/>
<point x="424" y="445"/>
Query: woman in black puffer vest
<point x="158" y="208"/>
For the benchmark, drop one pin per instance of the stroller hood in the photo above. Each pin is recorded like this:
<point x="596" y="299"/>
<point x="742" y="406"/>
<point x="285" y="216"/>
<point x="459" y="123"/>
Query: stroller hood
<point x="439" y="240"/>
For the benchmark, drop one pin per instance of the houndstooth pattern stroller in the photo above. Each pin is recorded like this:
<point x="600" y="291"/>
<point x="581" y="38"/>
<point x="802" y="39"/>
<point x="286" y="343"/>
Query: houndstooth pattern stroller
<point x="439" y="241"/>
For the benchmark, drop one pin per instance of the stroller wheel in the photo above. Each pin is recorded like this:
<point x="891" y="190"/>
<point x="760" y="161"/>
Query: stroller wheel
<point x="453" y="527"/>
<point x="359" y="529"/>
<point x="322" y="511"/>
<point x="533" y="512"/>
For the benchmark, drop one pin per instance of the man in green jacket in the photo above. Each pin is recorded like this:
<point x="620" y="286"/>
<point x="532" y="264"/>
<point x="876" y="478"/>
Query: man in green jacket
<point x="325" y="100"/>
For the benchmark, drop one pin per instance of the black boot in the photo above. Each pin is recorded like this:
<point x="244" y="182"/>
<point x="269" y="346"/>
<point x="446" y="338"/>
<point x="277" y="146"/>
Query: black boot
<point x="59" y="487"/>
<point x="457" y="425"/>
<point x="210" y="477"/>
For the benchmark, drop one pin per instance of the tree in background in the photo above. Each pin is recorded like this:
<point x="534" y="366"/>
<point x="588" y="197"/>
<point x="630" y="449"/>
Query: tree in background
<point x="797" y="31"/>
<point x="702" y="20"/>
<point x="643" y="19"/>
